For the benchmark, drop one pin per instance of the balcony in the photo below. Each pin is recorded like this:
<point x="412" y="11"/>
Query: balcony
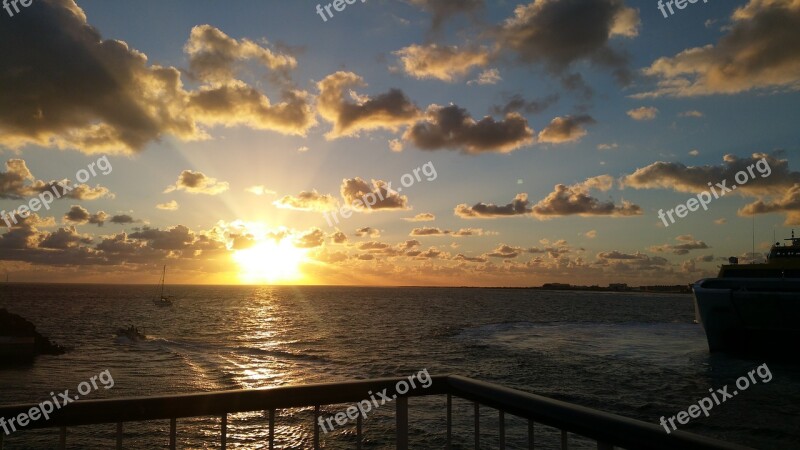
<point x="608" y="430"/>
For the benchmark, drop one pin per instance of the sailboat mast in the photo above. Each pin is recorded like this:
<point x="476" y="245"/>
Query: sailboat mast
<point x="163" y="277"/>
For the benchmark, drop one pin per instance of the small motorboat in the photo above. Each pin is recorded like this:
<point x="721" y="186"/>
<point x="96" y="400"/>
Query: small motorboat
<point x="132" y="333"/>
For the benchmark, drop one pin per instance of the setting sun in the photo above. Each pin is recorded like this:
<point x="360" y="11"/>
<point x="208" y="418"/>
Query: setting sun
<point x="270" y="262"/>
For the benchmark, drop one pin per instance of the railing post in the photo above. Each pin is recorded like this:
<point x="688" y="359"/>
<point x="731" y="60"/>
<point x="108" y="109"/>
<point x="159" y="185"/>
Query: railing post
<point x="316" y="427"/>
<point x="224" y="433"/>
<point x="477" y="426"/>
<point x="502" y="430"/>
<point x="401" y="417"/>
<point x="449" y="422"/>
<point x="119" y="435"/>
<point x="173" y="433"/>
<point x="359" y="422"/>
<point x="271" y="429"/>
<point x="62" y="438"/>
<point x="564" y="441"/>
<point x="531" y="440"/>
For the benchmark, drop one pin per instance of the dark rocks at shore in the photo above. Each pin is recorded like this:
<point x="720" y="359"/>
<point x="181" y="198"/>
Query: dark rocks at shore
<point x="12" y="325"/>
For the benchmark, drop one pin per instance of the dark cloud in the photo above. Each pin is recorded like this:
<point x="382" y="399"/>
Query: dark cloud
<point x="310" y="239"/>
<point x="451" y="127"/>
<point x="772" y="176"/>
<point x="558" y="33"/>
<point x="759" y="51"/>
<point x="197" y="183"/>
<point x="518" y="103"/>
<point x="686" y="244"/>
<point x="386" y="111"/>
<point x="576" y="200"/>
<point x="80" y="215"/>
<point x="74" y="89"/>
<point x="354" y="191"/>
<point x="519" y="207"/>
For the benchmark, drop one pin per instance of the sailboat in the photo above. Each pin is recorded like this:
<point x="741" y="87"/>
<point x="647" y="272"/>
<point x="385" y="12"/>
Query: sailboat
<point x="163" y="300"/>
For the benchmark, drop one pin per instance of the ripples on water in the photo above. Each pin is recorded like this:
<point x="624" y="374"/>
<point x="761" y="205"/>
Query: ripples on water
<point x="636" y="355"/>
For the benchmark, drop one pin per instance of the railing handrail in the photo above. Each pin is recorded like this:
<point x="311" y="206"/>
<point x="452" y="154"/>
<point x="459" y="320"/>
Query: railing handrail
<point x="134" y="409"/>
<point x="598" y="425"/>
<point x="604" y="427"/>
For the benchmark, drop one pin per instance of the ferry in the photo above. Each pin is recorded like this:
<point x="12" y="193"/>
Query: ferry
<point x="753" y="308"/>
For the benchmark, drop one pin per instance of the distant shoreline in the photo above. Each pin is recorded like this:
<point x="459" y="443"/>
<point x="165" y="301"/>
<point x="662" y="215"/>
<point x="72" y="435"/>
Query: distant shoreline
<point x="656" y="289"/>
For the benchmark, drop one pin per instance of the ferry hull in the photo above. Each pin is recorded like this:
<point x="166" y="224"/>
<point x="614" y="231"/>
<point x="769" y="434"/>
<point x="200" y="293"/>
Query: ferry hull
<point x="749" y="315"/>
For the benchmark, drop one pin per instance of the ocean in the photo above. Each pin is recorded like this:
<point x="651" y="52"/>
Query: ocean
<point x="638" y="355"/>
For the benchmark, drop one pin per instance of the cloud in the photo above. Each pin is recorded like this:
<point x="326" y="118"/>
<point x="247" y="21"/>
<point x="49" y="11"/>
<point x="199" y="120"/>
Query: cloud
<point x="308" y="201"/>
<point x="624" y="262"/>
<point x="565" y="129"/>
<point x="591" y="234"/>
<point x="80" y="215"/>
<point x="694" y="152"/>
<point x="758" y="52"/>
<point x="788" y="203"/>
<point x="433" y="231"/>
<point x="368" y="232"/>
<point x="643" y="113"/>
<point x="611" y="146"/>
<point x="440" y="62"/>
<point x="197" y="183"/>
<point x="520" y="206"/>
<point x="386" y="111"/>
<point x="421" y="217"/>
<point x="396" y="145"/>
<point x="17" y="182"/>
<point x="475" y="259"/>
<point x="687" y="244"/>
<point x="65" y="238"/>
<point x="88" y="94"/>
<point x="338" y="237"/>
<point x="100" y="95"/>
<point x="428" y="231"/>
<point x="576" y="200"/>
<point x="451" y="127"/>
<point x="505" y="251"/>
<point x="694" y="179"/>
<point x="558" y="33"/>
<point x="171" y="205"/>
<point x="122" y="219"/>
<point x="517" y="103"/>
<point x="236" y="103"/>
<point x="354" y="190"/>
<point x="694" y="114"/>
<point x="216" y="57"/>
<point x="487" y="77"/>
<point x="311" y="239"/>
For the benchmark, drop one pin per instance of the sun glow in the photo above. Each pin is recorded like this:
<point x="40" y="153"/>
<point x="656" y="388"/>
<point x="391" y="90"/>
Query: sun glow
<point x="270" y="262"/>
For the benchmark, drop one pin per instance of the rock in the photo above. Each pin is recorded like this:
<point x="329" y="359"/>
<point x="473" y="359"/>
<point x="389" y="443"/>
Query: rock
<point x="12" y="325"/>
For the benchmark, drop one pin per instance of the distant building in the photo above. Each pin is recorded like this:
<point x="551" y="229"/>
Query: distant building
<point x="618" y="286"/>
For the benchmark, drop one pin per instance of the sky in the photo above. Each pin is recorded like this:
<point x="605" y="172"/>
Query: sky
<point x="406" y="142"/>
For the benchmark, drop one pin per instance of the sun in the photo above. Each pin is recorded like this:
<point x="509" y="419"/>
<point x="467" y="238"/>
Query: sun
<point x="270" y="262"/>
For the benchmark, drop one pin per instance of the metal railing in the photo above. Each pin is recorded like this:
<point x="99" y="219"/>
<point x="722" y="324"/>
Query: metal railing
<point x="609" y="430"/>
